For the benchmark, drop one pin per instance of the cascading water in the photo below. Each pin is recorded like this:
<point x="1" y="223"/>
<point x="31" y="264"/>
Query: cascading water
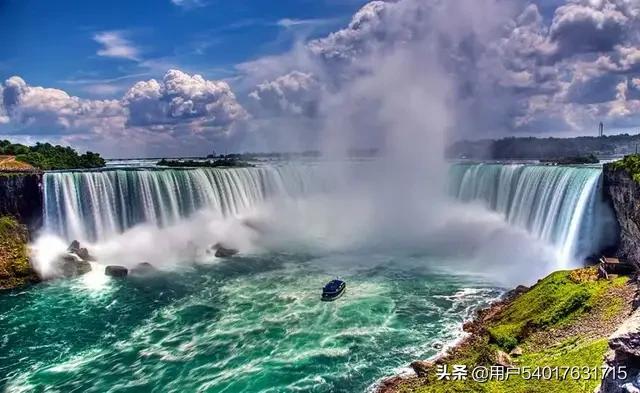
<point x="96" y="205"/>
<point x="562" y="205"/>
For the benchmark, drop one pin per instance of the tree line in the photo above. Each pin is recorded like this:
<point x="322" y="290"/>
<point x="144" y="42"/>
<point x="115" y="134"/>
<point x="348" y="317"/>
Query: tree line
<point x="47" y="156"/>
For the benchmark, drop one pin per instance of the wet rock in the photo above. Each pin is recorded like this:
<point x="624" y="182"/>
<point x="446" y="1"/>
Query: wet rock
<point x="422" y="367"/>
<point x="83" y="253"/>
<point x="83" y="267"/>
<point x="517" y="291"/>
<point x="74" y="246"/>
<point x="143" y="268"/>
<point x="468" y="327"/>
<point x="389" y="385"/>
<point x="116" y="271"/>
<point x="223" y="252"/>
<point x="73" y="263"/>
<point x="70" y="265"/>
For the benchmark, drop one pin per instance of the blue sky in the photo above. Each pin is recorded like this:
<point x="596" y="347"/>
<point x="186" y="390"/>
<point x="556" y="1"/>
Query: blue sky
<point x="52" y="43"/>
<point x="182" y="77"/>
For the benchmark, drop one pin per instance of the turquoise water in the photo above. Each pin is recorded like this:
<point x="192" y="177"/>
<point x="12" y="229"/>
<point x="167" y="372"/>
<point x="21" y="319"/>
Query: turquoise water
<point x="251" y="324"/>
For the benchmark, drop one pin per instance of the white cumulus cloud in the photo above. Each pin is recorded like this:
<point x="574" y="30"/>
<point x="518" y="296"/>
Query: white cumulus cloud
<point x="114" y="44"/>
<point x="180" y="111"/>
<point x="180" y="98"/>
<point x="296" y="93"/>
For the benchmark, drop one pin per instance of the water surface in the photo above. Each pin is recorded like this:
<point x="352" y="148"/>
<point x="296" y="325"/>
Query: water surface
<point x="252" y="324"/>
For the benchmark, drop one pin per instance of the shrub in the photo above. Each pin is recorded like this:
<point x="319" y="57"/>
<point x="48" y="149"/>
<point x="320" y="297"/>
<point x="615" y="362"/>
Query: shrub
<point x="631" y="164"/>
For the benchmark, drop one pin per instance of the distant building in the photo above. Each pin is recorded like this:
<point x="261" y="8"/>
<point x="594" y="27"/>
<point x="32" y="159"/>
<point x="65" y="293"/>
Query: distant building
<point x="601" y="129"/>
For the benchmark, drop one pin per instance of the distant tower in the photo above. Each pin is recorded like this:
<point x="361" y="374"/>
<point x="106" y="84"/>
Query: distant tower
<point x="601" y="129"/>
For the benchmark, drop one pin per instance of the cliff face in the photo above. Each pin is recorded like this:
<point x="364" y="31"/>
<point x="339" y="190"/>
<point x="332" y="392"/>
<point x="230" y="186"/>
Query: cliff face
<point x="624" y="194"/>
<point x="21" y="197"/>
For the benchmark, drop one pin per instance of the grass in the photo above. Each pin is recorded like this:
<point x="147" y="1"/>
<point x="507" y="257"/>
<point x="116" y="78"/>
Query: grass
<point x="570" y="353"/>
<point x="615" y="307"/>
<point x="557" y="323"/>
<point x="554" y="301"/>
<point x="581" y="353"/>
<point x="15" y="269"/>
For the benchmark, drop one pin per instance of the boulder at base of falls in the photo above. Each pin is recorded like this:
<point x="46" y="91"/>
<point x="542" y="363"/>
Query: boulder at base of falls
<point x="116" y="271"/>
<point x="143" y="268"/>
<point x="74" y="246"/>
<point x="224" y="252"/>
<point x="81" y="252"/>
<point x="70" y="265"/>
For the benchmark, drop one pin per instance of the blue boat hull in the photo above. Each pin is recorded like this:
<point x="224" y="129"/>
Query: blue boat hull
<point x="333" y="297"/>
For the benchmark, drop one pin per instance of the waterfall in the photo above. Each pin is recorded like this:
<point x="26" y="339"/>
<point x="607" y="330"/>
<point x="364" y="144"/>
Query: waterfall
<point x="562" y="205"/>
<point x="94" y="205"/>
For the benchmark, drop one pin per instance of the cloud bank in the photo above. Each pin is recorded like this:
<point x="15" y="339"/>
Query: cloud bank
<point x="181" y="109"/>
<point x="512" y="67"/>
<point x="519" y="68"/>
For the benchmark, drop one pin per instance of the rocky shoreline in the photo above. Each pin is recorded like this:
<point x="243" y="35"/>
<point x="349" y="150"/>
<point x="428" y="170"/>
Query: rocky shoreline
<point x="592" y="321"/>
<point x="472" y="328"/>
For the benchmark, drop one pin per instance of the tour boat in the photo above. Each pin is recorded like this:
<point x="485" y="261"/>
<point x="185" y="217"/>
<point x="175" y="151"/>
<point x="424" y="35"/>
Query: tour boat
<point x="333" y="290"/>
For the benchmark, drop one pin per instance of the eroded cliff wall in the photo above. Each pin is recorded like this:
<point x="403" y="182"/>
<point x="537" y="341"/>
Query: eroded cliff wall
<point x="624" y="194"/>
<point x="21" y="197"/>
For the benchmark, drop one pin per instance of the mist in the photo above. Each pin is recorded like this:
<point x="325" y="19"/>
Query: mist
<point x="402" y="99"/>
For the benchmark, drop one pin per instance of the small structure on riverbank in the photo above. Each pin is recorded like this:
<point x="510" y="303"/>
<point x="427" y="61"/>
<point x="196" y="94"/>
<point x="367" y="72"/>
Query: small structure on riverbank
<point x="610" y="265"/>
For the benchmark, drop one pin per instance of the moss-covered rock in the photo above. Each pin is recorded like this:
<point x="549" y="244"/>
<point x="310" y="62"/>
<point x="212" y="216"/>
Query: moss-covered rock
<point x="15" y="268"/>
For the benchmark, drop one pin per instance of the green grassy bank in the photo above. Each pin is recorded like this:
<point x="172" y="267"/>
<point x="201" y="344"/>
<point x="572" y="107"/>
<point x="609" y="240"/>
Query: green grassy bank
<point x="563" y="321"/>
